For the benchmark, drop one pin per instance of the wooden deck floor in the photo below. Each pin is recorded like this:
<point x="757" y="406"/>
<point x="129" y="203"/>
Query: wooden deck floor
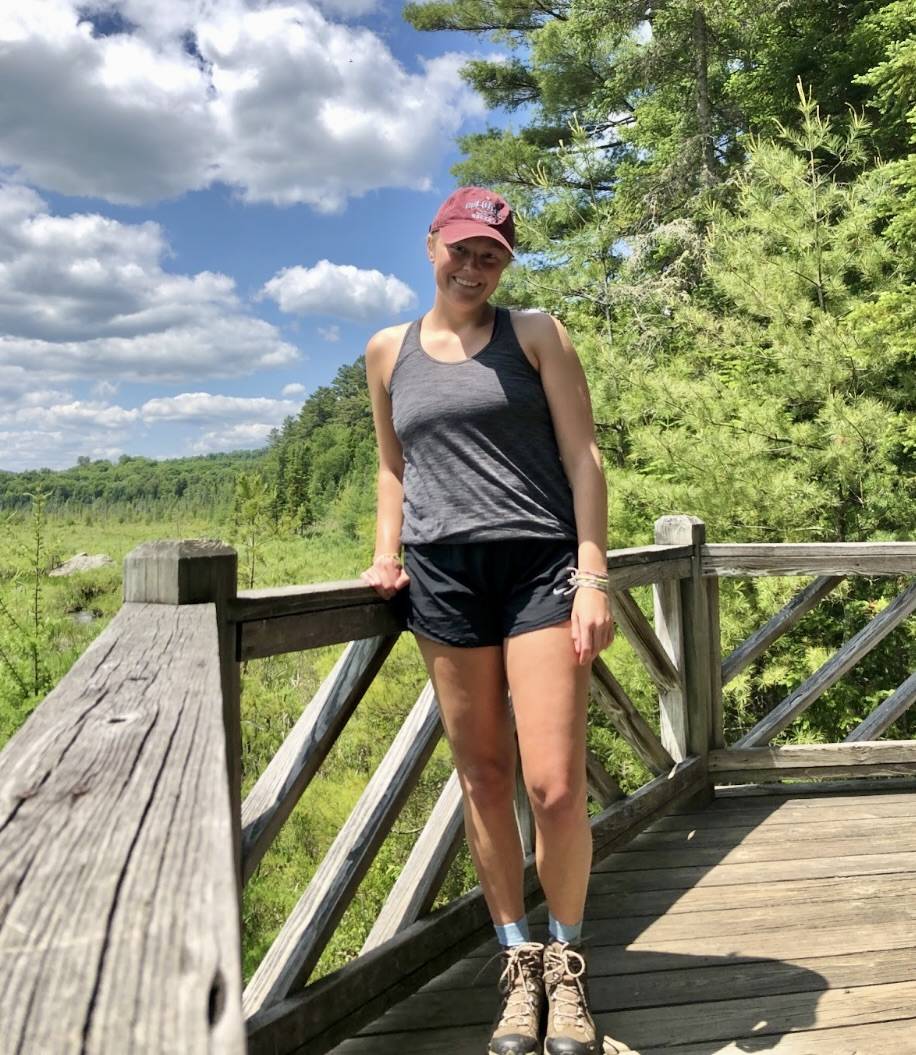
<point x="779" y="921"/>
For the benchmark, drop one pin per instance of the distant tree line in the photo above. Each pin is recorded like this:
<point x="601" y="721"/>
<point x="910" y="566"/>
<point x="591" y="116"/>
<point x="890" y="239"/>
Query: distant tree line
<point x="302" y="470"/>
<point x="145" y="485"/>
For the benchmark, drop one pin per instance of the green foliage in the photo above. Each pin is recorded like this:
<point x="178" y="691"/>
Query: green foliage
<point x="24" y="645"/>
<point x="131" y="487"/>
<point x="314" y="455"/>
<point x="250" y="516"/>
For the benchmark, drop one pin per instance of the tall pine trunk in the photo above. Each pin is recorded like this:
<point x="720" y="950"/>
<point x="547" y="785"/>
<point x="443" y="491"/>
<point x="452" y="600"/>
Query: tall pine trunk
<point x="707" y="152"/>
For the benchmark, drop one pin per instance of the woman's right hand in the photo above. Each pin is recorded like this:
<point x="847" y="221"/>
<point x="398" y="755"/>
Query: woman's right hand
<point x="387" y="576"/>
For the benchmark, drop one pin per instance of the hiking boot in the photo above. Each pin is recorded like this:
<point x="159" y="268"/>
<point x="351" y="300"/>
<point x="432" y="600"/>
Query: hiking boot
<point x="570" y="1027"/>
<point x="521" y="988"/>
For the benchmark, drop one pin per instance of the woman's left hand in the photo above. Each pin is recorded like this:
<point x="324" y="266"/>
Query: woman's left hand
<point x="592" y="623"/>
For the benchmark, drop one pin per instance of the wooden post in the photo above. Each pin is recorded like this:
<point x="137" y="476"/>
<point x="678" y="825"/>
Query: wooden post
<point x="683" y="624"/>
<point x="199" y="571"/>
<point x="710" y="587"/>
<point x="524" y="815"/>
<point x="523" y="812"/>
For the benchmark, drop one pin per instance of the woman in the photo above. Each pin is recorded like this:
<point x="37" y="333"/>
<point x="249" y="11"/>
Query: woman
<point x="490" y="478"/>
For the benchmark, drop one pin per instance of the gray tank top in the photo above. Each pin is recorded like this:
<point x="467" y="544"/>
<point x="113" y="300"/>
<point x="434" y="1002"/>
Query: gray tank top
<point x="480" y="453"/>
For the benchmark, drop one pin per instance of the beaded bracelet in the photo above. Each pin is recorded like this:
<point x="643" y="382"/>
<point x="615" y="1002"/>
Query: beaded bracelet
<point x="595" y="580"/>
<point x="381" y="556"/>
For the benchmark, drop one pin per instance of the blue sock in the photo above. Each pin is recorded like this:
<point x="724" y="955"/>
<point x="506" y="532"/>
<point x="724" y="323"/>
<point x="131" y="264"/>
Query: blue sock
<point x="509" y="934"/>
<point x="562" y="931"/>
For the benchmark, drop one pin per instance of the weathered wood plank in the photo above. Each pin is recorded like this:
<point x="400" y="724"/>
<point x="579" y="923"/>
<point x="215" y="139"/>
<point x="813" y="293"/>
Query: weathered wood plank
<point x="643" y="565"/>
<point x="456" y="999"/>
<point x="797" y="761"/>
<point x="697" y="902"/>
<point x="669" y="629"/>
<point x="638" y="565"/>
<point x="609" y="695"/>
<point x="789" y="815"/>
<point x="665" y="874"/>
<point x="640" y="857"/>
<point x="277" y="601"/>
<point x="686" y="717"/>
<point x="416" y="887"/>
<point x="524" y="814"/>
<point x="608" y="937"/>
<point x="837" y="790"/>
<point x="466" y="995"/>
<point x="884" y="716"/>
<point x="602" y="787"/>
<point x="843" y="660"/>
<point x="867" y="770"/>
<point x="711" y="948"/>
<point x="198" y="571"/>
<point x="338" y="1004"/>
<point x="116" y="837"/>
<point x="793" y="612"/>
<point x="889" y="1038"/>
<point x="331" y="626"/>
<point x="813" y="558"/>
<point x="725" y="1020"/>
<point x="716" y="712"/>
<point x="755" y="835"/>
<point x="290" y="771"/>
<point x="638" y="631"/>
<point x="789" y="757"/>
<point x="622" y="820"/>
<point x="303" y="937"/>
<point x="708" y="1023"/>
<point x="698" y="646"/>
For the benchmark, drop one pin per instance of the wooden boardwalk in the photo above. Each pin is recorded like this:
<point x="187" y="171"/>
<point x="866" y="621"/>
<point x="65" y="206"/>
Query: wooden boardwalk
<point x="782" y="920"/>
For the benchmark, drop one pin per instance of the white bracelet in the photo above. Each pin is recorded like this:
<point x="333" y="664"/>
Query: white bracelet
<point x="592" y="579"/>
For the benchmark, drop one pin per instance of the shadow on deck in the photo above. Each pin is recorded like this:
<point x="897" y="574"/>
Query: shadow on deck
<point x="773" y="920"/>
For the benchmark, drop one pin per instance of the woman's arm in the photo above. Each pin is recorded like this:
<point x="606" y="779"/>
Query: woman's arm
<point x="386" y="573"/>
<point x="566" y="389"/>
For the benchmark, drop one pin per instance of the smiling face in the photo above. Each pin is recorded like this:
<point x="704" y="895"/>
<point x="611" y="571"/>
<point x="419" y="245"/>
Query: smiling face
<point x="467" y="272"/>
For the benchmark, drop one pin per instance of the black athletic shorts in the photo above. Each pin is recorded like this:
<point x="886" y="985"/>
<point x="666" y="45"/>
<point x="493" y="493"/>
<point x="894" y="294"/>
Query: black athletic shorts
<point x="478" y="593"/>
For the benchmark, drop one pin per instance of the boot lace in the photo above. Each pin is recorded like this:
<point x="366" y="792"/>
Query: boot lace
<point x="563" y="972"/>
<point x="519" y="983"/>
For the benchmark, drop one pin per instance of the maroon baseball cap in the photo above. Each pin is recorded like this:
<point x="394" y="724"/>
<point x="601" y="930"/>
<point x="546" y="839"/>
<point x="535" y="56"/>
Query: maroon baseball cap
<point x="475" y="212"/>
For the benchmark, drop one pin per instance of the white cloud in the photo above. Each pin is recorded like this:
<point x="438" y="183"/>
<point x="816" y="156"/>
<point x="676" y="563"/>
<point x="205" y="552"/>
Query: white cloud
<point x="339" y="289"/>
<point x="85" y="297"/>
<point x="104" y="389"/>
<point x="55" y="433"/>
<point x="33" y="447"/>
<point x="295" y="389"/>
<point x="77" y="415"/>
<point x="204" y="407"/>
<point x="235" y="437"/>
<point x="271" y="98"/>
<point x="42" y="397"/>
<point x="330" y="333"/>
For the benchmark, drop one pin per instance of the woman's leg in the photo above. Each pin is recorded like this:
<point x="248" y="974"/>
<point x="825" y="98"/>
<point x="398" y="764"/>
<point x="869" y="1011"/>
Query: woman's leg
<point x="549" y="696"/>
<point x="470" y="684"/>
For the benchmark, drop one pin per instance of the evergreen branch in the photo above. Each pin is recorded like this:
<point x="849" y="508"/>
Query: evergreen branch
<point x="4" y="610"/>
<point x="17" y="677"/>
<point x="769" y="437"/>
<point x="549" y="11"/>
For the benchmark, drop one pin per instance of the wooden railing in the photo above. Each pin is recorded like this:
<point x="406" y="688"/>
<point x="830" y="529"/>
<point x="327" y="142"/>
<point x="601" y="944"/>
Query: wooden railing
<point x="119" y="919"/>
<point x="751" y="757"/>
<point x="124" y="843"/>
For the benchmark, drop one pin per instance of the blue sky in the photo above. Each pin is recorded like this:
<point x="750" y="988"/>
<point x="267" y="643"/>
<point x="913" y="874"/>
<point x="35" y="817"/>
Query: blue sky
<point x="206" y="207"/>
